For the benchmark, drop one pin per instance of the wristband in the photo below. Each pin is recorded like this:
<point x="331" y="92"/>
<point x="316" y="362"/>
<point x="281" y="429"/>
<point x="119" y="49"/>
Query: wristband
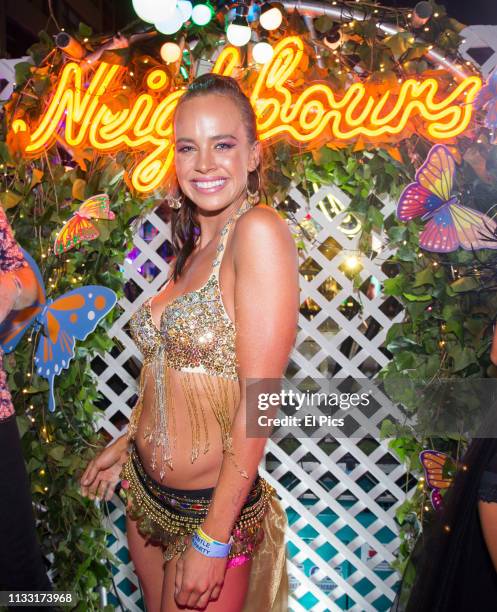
<point x="208" y="546"/>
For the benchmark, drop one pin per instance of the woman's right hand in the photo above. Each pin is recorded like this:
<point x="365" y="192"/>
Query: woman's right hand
<point x="101" y="476"/>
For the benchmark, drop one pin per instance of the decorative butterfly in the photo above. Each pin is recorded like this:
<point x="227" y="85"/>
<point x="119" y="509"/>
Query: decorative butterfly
<point x="434" y="465"/>
<point x="79" y="227"/>
<point x="450" y="224"/>
<point x="59" y="323"/>
<point x="487" y="100"/>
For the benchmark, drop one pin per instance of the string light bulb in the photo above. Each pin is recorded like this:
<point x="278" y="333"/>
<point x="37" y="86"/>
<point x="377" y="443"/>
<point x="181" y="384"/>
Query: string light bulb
<point x="153" y="11"/>
<point x="239" y="32"/>
<point x="185" y="7"/>
<point x="262" y="52"/>
<point x="201" y="13"/>
<point x="172" y="24"/>
<point x="271" y="15"/>
<point x="170" y="52"/>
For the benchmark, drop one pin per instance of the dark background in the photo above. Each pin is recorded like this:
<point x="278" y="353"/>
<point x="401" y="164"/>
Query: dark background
<point x="21" y="20"/>
<point x="470" y="12"/>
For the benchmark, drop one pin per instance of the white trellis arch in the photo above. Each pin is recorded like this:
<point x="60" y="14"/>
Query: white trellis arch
<point x="340" y="495"/>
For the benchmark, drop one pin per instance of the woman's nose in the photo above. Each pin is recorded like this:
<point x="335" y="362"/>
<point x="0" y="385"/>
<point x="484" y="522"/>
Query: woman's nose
<point x="205" y="161"/>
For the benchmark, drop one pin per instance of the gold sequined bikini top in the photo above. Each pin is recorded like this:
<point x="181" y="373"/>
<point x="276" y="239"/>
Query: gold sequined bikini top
<point x="197" y="338"/>
<point x="196" y="332"/>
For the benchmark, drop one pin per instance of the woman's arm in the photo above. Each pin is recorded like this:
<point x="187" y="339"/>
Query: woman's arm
<point x="20" y="286"/>
<point x="266" y="308"/>
<point x="17" y="280"/>
<point x="493" y="350"/>
<point x="488" y="520"/>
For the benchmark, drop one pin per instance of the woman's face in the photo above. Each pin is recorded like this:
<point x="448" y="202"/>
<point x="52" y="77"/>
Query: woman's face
<point x="212" y="153"/>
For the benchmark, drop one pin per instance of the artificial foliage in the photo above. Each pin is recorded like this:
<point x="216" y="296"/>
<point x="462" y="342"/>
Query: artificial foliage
<point x="449" y="306"/>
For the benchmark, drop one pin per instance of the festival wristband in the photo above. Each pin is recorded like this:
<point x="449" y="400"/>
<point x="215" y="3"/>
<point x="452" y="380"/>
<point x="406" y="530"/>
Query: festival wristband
<point x="210" y="547"/>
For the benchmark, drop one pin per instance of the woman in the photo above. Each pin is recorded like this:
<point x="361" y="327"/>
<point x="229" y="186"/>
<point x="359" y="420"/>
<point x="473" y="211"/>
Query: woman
<point x="191" y="463"/>
<point x="21" y="562"/>
<point x="455" y="558"/>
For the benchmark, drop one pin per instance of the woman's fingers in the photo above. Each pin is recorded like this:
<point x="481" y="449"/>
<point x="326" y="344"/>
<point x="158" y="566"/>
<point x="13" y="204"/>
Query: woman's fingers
<point x="216" y="591"/>
<point x="204" y="600"/>
<point x="102" y="489"/>
<point x="88" y="477"/>
<point x="178" y="579"/>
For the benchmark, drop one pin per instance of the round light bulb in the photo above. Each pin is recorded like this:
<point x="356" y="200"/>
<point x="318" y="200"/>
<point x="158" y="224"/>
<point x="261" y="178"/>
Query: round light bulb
<point x="201" y="14"/>
<point x="153" y="11"/>
<point x="271" y="19"/>
<point x="170" y="25"/>
<point x="238" y="34"/>
<point x="262" y="52"/>
<point x="170" y="52"/>
<point x="185" y="8"/>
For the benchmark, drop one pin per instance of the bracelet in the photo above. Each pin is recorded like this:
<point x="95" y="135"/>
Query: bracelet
<point x="208" y="546"/>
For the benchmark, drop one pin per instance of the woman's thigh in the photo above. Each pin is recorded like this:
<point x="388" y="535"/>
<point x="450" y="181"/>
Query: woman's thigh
<point x="232" y="596"/>
<point x="148" y="561"/>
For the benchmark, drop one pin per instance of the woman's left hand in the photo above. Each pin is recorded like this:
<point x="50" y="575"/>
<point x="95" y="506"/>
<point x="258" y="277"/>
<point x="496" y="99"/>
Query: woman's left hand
<point x="198" y="578"/>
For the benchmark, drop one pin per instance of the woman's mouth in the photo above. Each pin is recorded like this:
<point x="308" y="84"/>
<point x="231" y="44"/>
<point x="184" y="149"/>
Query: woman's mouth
<point x="209" y="186"/>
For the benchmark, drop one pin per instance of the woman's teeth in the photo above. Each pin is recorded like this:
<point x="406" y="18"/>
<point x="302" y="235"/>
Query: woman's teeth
<point x="209" y="184"/>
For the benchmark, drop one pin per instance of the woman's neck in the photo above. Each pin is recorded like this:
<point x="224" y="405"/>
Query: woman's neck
<point x="211" y="225"/>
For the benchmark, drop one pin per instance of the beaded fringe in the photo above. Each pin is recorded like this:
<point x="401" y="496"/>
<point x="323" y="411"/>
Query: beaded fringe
<point x="221" y="394"/>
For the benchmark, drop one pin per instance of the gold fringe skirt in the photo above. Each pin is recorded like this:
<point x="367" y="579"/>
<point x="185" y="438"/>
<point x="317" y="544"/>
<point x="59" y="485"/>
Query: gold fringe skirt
<point x="168" y="517"/>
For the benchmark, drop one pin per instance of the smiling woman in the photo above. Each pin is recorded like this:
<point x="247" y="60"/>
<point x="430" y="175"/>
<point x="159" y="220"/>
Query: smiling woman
<point x="227" y="314"/>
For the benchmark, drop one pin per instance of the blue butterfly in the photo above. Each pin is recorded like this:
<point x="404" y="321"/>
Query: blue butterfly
<point x="487" y="100"/>
<point x="59" y="323"/>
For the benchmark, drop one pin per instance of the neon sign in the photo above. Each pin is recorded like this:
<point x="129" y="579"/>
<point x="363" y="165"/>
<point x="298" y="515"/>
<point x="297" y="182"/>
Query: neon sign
<point x="88" y="115"/>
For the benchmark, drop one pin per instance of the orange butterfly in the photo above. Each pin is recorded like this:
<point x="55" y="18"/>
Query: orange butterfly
<point x="79" y="227"/>
<point x="438" y="469"/>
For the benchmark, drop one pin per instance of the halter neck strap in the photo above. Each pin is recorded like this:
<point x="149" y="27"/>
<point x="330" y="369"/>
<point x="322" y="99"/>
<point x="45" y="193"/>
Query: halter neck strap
<point x="216" y="264"/>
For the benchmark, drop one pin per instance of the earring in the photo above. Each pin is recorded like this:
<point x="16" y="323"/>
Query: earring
<point x="253" y="197"/>
<point x="175" y="202"/>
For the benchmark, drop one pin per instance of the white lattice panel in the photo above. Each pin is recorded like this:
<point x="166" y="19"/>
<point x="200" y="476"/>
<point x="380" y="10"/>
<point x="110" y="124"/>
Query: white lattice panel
<point x="340" y="495"/>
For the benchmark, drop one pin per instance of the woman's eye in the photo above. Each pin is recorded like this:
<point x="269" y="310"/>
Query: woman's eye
<point x="224" y="145"/>
<point x="185" y="149"/>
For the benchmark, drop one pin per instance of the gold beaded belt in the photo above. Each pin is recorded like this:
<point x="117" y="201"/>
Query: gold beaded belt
<point x="169" y="516"/>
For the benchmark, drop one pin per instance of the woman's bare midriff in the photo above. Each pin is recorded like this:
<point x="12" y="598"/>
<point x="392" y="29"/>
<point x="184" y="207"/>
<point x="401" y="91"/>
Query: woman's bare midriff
<point x="204" y="471"/>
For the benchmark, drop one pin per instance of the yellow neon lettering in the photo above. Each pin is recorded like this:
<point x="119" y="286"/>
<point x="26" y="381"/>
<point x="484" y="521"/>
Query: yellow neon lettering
<point x="82" y="115"/>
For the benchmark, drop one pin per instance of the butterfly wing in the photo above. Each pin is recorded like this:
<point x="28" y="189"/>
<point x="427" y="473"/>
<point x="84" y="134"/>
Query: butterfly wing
<point x="416" y="201"/>
<point x="440" y="234"/>
<point x="70" y="317"/>
<point x="433" y="463"/>
<point x="97" y="207"/>
<point x="13" y="327"/>
<point x="471" y="227"/>
<point x="432" y="187"/>
<point x="75" y="231"/>
<point x="436" y="499"/>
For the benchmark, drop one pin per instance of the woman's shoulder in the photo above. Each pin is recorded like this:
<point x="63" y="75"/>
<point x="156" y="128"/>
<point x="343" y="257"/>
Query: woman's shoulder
<point x="262" y="235"/>
<point x="261" y="221"/>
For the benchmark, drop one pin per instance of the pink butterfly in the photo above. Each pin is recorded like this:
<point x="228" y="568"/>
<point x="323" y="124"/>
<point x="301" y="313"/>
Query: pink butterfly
<point x="450" y="225"/>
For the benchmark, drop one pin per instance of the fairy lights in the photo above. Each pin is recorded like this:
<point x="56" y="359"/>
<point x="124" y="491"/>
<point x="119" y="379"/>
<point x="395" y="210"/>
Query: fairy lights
<point x="79" y="115"/>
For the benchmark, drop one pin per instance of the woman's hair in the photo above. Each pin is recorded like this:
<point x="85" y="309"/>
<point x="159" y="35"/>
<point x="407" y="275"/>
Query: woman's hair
<point x="184" y="223"/>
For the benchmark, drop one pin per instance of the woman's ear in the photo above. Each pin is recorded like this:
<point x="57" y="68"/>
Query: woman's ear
<point x="255" y="156"/>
